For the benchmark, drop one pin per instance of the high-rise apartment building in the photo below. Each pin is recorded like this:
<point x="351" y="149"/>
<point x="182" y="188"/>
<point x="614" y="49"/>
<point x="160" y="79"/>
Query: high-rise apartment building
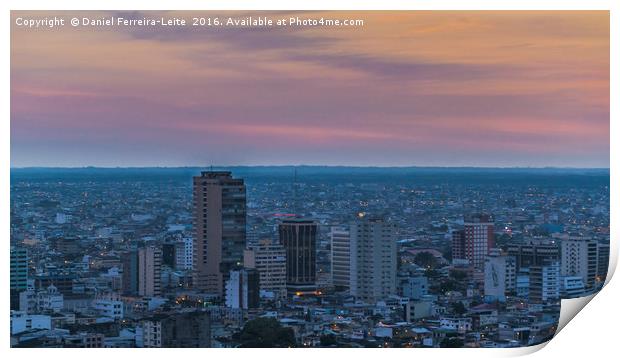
<point x="373" y="258"/>
<point x="475" y="240"/>
<point x="580" y="258"/>
<point x="149" y="271"/>
<point x="219" y="228"/>
<point x="269" y="258"/>
<point x="184" y="254"/>
<point x="299" y="236"/>
<point x="544" y="282"/>
<point x="340" y="256"/>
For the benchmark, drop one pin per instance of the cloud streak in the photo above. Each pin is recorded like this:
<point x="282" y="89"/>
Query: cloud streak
<point x="410" y="88"/>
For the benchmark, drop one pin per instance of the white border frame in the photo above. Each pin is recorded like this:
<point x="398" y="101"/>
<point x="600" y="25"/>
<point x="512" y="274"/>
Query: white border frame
<point x="592" y="332"/>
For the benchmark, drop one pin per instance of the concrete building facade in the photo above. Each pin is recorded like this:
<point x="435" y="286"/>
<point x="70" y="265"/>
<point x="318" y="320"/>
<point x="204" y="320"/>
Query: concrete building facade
<point x="219" y="212"/>
<point x="373" y="258"/>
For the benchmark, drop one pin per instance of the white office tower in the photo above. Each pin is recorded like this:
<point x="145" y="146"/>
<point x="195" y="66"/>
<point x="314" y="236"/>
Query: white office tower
<point x="545" y="282"/>
<point x="580" y="258"/>
<point x="340" y="256"/>
<point x="373" y="259"/>
<point x="269" y="258"/>
<point x="242" y="289"/>
<point x="499" y="275"/>
<point x="184" y="254"/>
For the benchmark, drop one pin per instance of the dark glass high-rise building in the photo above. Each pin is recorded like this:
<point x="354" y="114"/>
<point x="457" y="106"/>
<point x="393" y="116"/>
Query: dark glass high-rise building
<point x="19" y="274"/>
<point x="534" y="252"/>
<point x="130" y="272"/>
<point x="142" y="271"/>
<point x="168" y="253"/>
<point x="219" y="228"/>
<point x="299" y="238"/>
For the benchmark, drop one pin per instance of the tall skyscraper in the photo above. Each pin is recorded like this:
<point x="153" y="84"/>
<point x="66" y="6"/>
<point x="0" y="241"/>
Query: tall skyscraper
<point x="580" y="258"/>
<point x="269" y="258"/>
<point x="219" y="228"/>
<point x="475" y="240"/>
<point x="373" y="258"/>
<point x="299" y="236"/>
<point x="19" y="274"/>
<point x="340" y="257"/>
<point x="149" y="271"/>
<point x="130" y="276"/>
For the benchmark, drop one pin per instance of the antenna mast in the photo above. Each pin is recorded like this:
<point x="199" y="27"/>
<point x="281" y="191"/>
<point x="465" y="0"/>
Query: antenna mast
<point x="295" y="191"/>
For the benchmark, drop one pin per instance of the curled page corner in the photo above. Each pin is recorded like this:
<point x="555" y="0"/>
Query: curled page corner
<point x="569" y="308"/>
<point x="523" y="351"/>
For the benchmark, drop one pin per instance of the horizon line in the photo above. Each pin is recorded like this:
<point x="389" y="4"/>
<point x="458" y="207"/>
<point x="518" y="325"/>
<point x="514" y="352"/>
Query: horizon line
<point x="206" y="167"/>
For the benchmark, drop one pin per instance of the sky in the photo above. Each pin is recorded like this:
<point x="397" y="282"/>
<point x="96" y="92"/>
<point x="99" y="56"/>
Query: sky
<point x="417" y="88"/>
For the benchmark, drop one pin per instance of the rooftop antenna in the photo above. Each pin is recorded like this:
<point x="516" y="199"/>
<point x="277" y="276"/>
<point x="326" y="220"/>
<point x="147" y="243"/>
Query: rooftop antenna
<point x="295" y="191"/>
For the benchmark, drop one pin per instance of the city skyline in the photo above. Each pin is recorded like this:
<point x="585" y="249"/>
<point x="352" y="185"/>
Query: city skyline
<point x="413" y="259"/>
<point x="215" y="167"/>
<point x="440" y="89"/>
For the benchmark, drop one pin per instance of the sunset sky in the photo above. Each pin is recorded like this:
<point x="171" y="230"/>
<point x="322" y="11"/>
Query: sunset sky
<point x="477" y="88"/>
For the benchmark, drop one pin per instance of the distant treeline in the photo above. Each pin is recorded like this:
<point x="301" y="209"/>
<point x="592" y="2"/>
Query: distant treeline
<point x="556" y="177"/>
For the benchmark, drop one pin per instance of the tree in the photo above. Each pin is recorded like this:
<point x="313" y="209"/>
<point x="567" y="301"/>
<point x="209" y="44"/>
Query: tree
<point x="265" y="332"/>
<point x="426" y="260"/>
<point x="376" y="317"/>
<point x="328" y="340"/>
<point x="432" y="274"/>
<point x="458" y="308"/>
<point x="458" y="275"/>
<point x="448" y="285"/>
<point x="451" y="343"/>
